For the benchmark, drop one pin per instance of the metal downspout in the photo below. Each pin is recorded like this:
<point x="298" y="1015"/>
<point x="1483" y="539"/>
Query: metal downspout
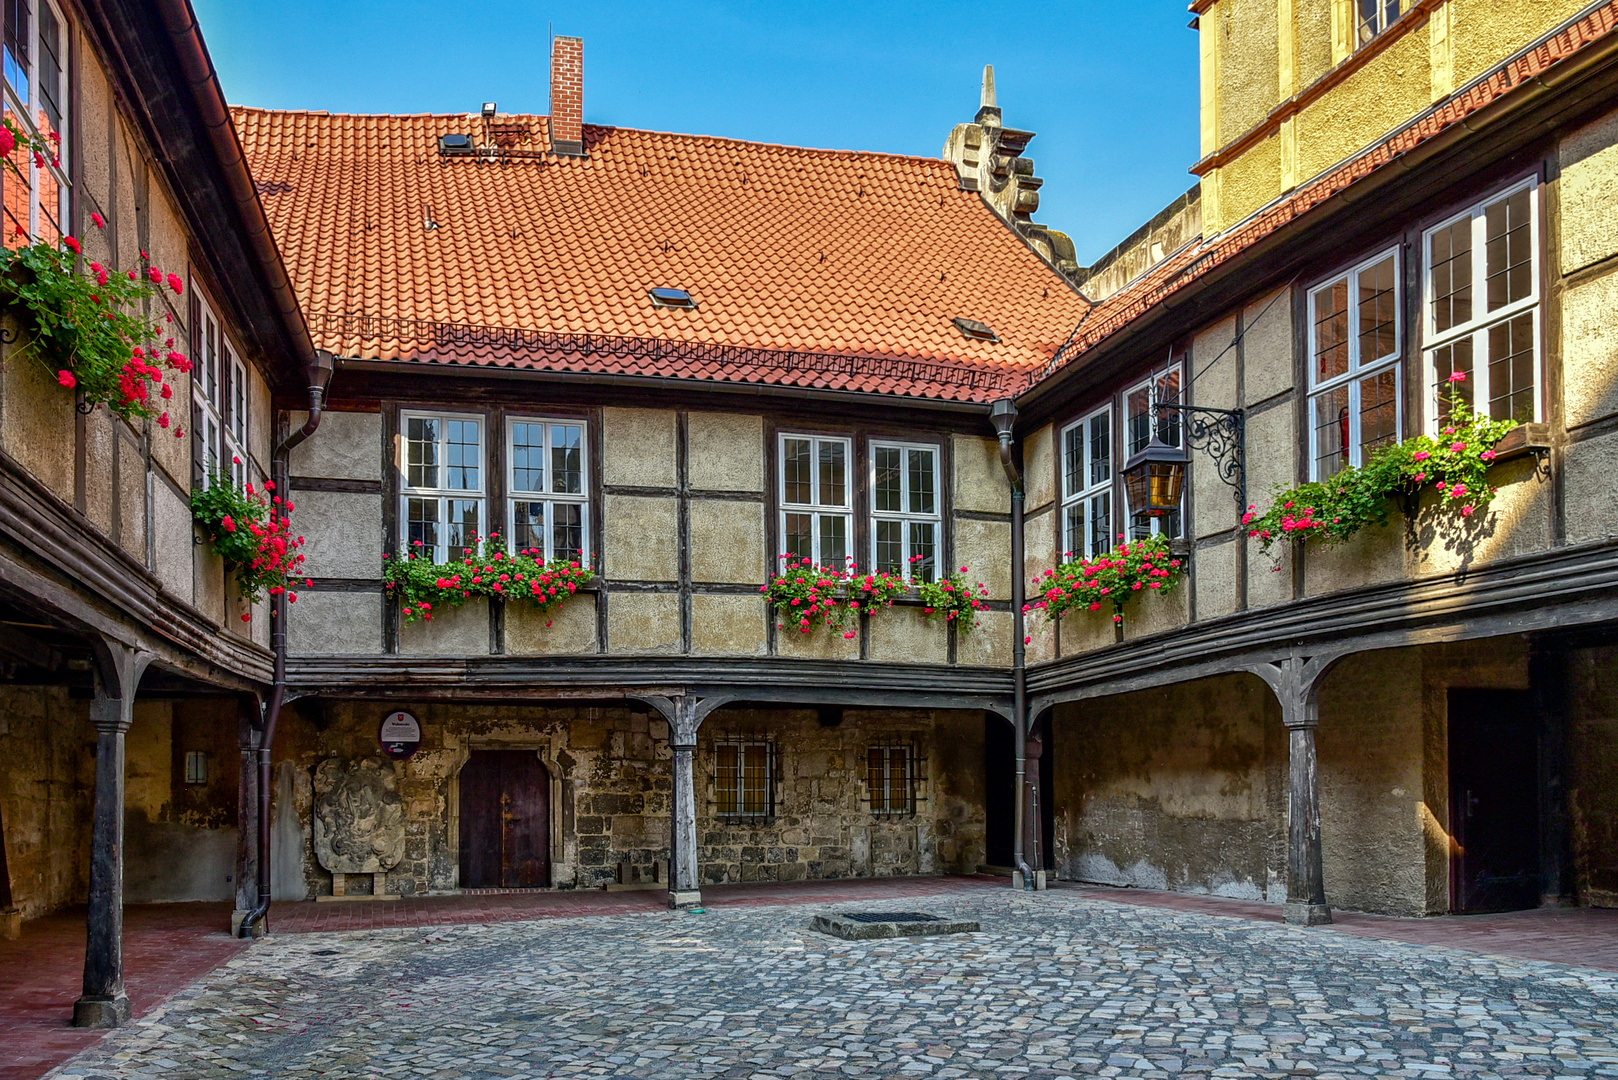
<point x="1019" y="675"/>
<point x="280" y="471"/>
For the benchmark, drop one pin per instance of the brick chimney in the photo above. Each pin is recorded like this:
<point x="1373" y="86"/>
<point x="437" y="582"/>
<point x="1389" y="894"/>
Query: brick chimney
<point x="567" y="96"/>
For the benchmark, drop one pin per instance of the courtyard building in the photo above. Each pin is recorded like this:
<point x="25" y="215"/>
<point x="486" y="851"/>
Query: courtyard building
<point x="719" y="421"/>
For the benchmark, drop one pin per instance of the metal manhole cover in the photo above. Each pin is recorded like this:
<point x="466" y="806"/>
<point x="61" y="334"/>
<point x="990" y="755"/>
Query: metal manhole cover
<point x="886" y="916"/>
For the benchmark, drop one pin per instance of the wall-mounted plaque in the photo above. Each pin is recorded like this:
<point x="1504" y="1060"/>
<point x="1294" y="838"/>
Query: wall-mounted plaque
<point x="400" y="735"/>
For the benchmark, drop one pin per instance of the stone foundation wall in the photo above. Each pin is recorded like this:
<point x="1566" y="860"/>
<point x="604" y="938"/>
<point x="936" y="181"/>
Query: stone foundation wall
<point x="611" y="787"/>
<point x="47" y="780"/>
<point x="821" y="825"/>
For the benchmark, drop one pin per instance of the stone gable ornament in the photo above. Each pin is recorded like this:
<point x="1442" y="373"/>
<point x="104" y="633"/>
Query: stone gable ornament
<point x="359" y="819"/>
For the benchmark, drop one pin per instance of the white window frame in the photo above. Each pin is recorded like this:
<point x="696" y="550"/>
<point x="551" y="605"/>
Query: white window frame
<point x="1126" y="523"/>
<point x="907" y="518"/>
<point x="1358" y="371"/>
<point x="1367" y="28"/>
<point x="444" y="495"/>
<point x="816" y="510"/>
<point x="1482" y="319"/>
<point x="28" y="109"/>
<point x="1086" y="495"/>
<point x="220" y="401"/>
<point x="551" y="499"/>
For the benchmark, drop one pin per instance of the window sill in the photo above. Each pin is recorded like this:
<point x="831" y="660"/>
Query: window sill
<point x="1522" y="440"/>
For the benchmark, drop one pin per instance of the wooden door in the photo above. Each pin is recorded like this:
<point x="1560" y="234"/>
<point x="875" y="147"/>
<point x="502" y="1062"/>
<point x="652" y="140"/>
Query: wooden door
<point x="505" y="821"/>
<point x="1494" y="801"/>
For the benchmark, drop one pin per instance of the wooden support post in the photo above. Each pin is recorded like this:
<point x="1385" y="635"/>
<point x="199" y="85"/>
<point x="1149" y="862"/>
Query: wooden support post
<point x="684" y="891"/>
<point x="104" y="1004"/>
<point x="1296" y="682"/>
<point x="249" y="720"/>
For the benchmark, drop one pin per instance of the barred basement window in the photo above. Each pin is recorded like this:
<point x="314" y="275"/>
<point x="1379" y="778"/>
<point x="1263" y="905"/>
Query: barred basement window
<point x="891" y="779"/>
<point x="744" y="779"/>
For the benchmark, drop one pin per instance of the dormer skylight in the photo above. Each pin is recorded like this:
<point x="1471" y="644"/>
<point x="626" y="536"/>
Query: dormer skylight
<point x="975" y="330"/>
<point x="453" y="145"/>
<point x="674" y="298"/>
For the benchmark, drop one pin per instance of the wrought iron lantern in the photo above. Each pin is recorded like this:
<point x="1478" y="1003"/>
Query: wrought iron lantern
<point x="1154" y="478"/>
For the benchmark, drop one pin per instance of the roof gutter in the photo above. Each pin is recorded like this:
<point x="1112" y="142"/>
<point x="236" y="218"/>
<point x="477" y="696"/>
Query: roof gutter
<point x="186" y="36"/>
<point x="1521" y="97"/>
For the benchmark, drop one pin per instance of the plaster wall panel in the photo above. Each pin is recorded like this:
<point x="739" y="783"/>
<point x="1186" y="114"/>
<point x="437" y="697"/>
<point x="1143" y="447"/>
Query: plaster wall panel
<point x="1271" y="453"/>
<point x="1249" y="182"/>
<point x="726" y="452"/>
<point x="1156" y="612"/>
<point x="819" y="643"/>
<point x="1269" y="576"/>
<point x="1212" y="364"/>
<point x="1587" y="190"/>
<point x="643" y="623"/>
<point x="1590" y="495"/>
<point x="906" y="635"/>
<point x="727" y="541"/>
<point x="1590" y="347"/>
<point x="98" y="490"/>
<point x="1313" y="21"/>
<point x="346" y="446"/>
<point x="1085" y="631"/>
<point x="1248" y="79"/>
<point x="166" y="241"/>
<point x="1485" y="32"/>
<point x="990" y="641"/>
<point x="171" y="452"/>
<point x="1267" y="347"/>
<point x="149" y="757"/>
<point x="1040" y="633"/>
<point x="1039" y="467"/>
<point x="174" y="547"/>
<point x="94" y="102"/>
<point x="639" y="447"/>
<point x="208" y="582"/>
<point x="343" y="531"/>
<point x="1216" y="577"/>
<point x="260" y="420"/>
<point x="569" y="629"/>
<point x="1371" y="755"/>
<point x="1173" y="789"/>
<point x="729" y="625"/>
<point x="639" y="538"/>
<point x="1517" y="522"/>
<point x="1375" y="554"/>
<point x="452" y="631"/>
<point x="335" y="624"/>
<point x="123" y="221"/>
<point x="1392" y="87"/>
<point x="1593" y="779"/>
<point x="1040" y="551"/>
<point x="980" y="480"/>
<point x="37" y="422"/>
<point x="984" y="547"/>
<point x="131" y="496"/>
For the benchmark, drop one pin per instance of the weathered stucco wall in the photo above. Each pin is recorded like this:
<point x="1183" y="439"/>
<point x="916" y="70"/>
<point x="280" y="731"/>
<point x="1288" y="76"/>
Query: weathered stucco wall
<point x="180" y="838"/>
<point x="1182" y="788"/>
<point x="47" y="780"/>
<point x="611" y="787"/>
<point x="1593" y="776"/>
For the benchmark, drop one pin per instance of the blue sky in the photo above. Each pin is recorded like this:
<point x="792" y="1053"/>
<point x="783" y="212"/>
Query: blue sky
<point x="1110" y="88"/>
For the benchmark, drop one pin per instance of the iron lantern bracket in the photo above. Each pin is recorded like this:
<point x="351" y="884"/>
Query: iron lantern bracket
<point x="1222" y="434"/>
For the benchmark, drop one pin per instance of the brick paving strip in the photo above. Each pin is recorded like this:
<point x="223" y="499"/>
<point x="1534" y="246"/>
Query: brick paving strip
<point x="1064" y="984"/>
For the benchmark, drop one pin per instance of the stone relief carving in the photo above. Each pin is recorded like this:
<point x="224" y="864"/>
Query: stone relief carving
<point x="359" y="816"/>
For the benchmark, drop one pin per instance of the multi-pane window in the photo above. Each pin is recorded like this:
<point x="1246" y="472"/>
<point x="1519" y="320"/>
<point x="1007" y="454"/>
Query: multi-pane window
<point x="743" y="779"/>
<point x="1087" y="486"/>
<point x="890" y="779"/>
<point x="905" y="509"/>
<point x="1374" y="16"/>
<point x="1482" y="308"/>
<point x="219" y="404"/>
<point x="1140" y="407"/>
<point x="35" y="100"/>
<point x="1354" y="368"/>
<point x="816" y="501"/>
<point x="548" y="486"/>
<point x="442" y="484"/>
<point x="196" y="767"/>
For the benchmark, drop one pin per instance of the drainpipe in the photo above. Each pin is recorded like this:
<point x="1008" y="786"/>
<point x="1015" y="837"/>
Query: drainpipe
<point x="1003" y="415"/>
<point x="320" y="372"/>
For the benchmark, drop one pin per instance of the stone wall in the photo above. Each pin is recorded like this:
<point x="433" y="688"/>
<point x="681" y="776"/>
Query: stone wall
<point x="822" y="825"/>
<point x="610" y="778"/>
<point x="1593" y="776"/>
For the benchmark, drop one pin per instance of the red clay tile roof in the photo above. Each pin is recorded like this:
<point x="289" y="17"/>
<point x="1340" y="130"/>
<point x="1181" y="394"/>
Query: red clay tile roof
<point x="809" y="267"/>
<point x="1182" y="270"/>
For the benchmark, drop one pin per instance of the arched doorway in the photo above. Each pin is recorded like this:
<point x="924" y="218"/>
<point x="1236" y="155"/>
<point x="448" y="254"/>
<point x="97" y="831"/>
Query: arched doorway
<point x="505" y="821"/>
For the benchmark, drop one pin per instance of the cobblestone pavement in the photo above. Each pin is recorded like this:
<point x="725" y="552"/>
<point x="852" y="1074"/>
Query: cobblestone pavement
<point x="1055" y="985"/>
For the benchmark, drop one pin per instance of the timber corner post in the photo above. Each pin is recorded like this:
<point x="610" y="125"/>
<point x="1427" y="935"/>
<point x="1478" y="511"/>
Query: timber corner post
<point x="1296" y="682"/>
<point x="684" y="713"/>
<point x="118" y="671"/>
